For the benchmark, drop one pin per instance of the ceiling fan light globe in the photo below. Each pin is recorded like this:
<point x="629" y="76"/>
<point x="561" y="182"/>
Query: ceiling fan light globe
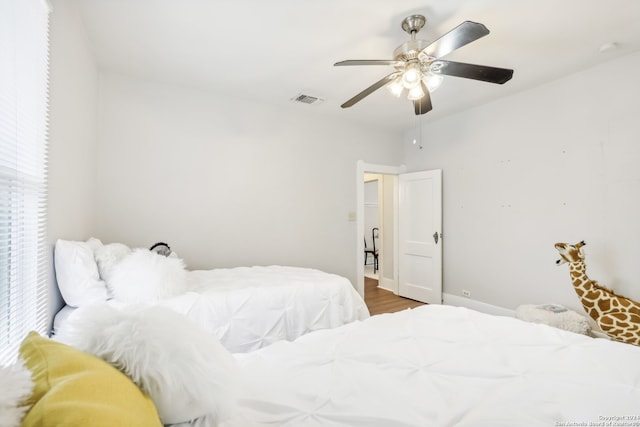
<point x="396" y="88"/>
<point x="432" y="81"/>
<point x="415" y="93"/>
<point x="411" y="76"/>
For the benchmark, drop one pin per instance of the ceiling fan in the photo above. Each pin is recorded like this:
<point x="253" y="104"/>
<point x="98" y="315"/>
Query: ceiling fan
<point x="419" y="67"/>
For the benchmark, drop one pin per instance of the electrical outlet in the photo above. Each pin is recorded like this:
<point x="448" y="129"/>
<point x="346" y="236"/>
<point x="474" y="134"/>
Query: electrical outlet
<point x="466" y="293"/>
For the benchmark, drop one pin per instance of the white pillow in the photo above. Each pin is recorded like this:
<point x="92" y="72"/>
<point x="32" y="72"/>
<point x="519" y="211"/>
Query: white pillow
<point x="16" y="388"/>
<point x="107" y="256"/>
<point x="77" y="272"/>
<point x="144" y="276"/>
<point x="187" y="373"/>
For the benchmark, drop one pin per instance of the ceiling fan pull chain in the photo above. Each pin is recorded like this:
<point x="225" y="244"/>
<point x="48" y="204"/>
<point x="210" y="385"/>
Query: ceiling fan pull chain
<point x="417" y="140"/>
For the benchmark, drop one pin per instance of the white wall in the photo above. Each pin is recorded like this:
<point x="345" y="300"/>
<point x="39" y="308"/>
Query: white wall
<point x="228" y="182"/>
<point x="72" y="130"/>
<point x="556" y="163"/>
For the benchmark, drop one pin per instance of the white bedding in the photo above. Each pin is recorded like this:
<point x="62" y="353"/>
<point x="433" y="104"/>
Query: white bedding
<point x="438" y="366"/>
<point x="247" y="308"/>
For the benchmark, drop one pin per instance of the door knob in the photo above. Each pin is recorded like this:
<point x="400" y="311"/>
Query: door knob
<point x="435" y="237"/>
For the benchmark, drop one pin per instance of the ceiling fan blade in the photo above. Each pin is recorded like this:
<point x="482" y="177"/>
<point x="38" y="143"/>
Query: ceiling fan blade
<point x="368" y="91"/>
<point x="460" y="36"/>
<point x="472" y="71"/>
<point x="369" y="62"/>
<point x="423" y="105"/>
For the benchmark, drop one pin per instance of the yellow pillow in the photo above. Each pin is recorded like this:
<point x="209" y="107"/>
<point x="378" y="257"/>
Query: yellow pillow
<point x="73" y="388"/>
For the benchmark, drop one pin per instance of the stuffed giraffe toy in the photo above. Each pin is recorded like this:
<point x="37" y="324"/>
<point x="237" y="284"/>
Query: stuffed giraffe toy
<point x="617" y="316"/>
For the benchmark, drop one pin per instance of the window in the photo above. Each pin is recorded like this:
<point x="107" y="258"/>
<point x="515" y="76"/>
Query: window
<point x="24" y="78"/>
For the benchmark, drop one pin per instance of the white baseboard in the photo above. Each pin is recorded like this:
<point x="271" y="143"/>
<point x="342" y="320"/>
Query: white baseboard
<point x="388" y="285"/>
<point x="483" y="307"/>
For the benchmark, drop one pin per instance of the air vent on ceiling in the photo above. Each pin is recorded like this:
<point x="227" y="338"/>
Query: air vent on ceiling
<point x="306" y="99"/>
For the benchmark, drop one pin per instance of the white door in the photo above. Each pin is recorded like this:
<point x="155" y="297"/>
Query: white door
<point x="420" y="236"/>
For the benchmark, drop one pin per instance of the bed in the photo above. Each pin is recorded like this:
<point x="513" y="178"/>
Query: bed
<point x="435" y="366"/>
<point x="245" y="308"/>
<point x="440" y="366"/>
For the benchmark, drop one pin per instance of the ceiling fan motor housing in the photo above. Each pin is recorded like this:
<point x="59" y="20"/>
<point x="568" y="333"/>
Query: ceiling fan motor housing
<point x="409" y="50"/>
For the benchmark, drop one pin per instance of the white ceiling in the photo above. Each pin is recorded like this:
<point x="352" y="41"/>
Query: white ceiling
<point x="269" y="51"/>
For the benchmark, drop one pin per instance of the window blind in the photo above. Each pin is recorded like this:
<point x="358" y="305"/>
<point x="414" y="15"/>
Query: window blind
<point x="24" y="78"/>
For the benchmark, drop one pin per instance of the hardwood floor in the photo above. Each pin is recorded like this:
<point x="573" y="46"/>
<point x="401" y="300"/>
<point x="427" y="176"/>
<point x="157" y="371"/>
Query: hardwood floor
<point x="382" y="301"/>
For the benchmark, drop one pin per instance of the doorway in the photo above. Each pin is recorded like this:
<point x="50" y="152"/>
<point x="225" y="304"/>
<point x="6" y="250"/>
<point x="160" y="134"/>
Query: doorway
<point x="387" y="200"/>
<point x="412" y="248"/>
<point x="379" y="229"/>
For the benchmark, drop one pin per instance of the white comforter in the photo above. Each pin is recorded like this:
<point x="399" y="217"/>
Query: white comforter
<point x="247" y="308"/>
<point x="438" y="366"/>
<point x="250" y="307"/>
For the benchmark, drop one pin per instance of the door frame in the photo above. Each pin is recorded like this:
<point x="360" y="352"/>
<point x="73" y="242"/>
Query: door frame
<point x="361" y="169"/>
